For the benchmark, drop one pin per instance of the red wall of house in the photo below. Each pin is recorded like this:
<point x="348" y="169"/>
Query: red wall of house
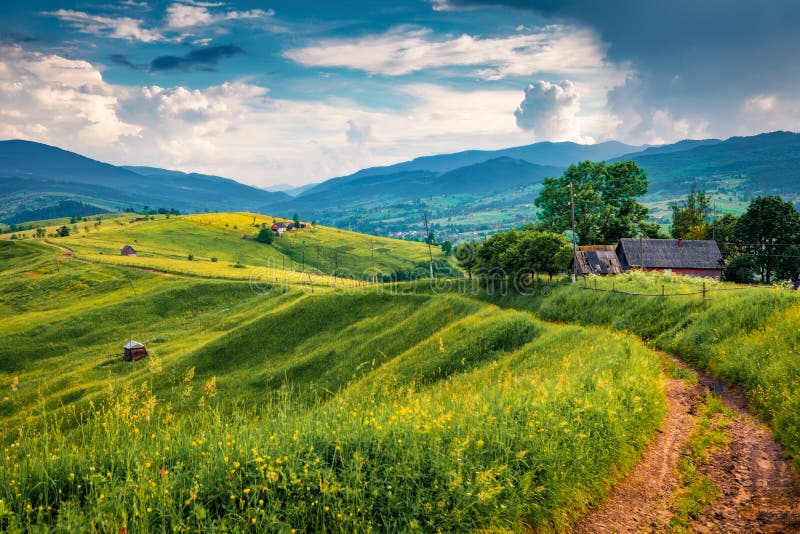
<point x="701" y="273"/>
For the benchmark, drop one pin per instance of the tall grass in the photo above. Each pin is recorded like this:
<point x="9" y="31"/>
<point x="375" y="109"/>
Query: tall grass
<point x="749" y="337"/>
<point x="323" y="412"/>
<point x="525" y="440"/>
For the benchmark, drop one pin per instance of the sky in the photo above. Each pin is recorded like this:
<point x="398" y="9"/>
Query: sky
<point x="298" y="91"/>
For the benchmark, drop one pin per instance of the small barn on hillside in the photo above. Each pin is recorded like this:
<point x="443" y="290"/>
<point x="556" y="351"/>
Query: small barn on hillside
<point x="127" y="250"/>
<point x="279" y="229"/>
<point x="595" y="259"/>
<point x="672" y="256"/>
<point x="134" y="351"/>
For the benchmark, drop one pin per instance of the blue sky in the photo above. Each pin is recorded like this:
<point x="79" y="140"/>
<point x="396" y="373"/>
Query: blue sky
<point x="268" y="92"/>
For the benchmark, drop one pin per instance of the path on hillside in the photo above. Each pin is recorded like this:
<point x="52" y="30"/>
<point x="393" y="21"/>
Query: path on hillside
<point x="758" y="491"/>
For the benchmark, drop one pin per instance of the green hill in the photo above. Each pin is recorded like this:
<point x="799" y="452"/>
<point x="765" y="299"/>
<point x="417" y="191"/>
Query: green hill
<point x="280" y="409"/>
<point x="218" y="248"/>
<point x="34" y="176"/>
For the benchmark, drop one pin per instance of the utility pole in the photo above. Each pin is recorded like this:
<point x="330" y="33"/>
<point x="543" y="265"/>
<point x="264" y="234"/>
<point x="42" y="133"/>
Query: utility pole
<point x="574" y="245"/>
<point x="714" y="224"/>
<point x="428" y="240"/>
<point x="372" y="254"/>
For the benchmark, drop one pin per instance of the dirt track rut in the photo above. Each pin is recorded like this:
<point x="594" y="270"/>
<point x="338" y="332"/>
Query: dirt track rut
<point x="758" y="489"/>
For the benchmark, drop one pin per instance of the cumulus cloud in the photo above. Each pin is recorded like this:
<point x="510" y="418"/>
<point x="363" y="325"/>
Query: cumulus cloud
<point x="115" y="27"/>
<point x="202" y="58"/>
<point x="49" y="98"/>
<point x="550" y="110"/>
<point x="555" y="48"/>
<point x="185" y="15"/>
<point x="358" y="133"/>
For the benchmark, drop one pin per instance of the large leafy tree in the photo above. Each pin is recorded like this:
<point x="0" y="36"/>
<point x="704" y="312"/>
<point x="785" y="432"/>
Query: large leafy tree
<point x="770" y="227"/>
<point x="689" y="217"/>
<point x="606" y="208"/>
<point x="544" y="252"/>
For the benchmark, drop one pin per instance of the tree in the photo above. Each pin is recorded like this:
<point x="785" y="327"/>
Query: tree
<point x="723" y="231"/>
<point x="265" y="235"/>
<point x="606" y="208"/>
<point x="447" y="248"/>
<point x="466" y="257"/>
<point x="769" y="227"/>
<point x="63" y="231"/>
<point x="296" y="219"/>
<point x="40" y="232"/>
<point x="544" y="252"/>
<point x="740" y="269"/>
<point x="689" y="217"/>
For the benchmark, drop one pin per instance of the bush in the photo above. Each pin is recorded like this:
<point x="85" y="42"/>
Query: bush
<point x="265" y="235"/>
<point x="190" y="257"/>
<point x="213" y="259"/>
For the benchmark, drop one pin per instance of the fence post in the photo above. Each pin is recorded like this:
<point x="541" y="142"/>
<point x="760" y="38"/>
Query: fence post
<point x="704" y="290"/>
<point x="662" y="290"/>
<point x="595" y="283"/>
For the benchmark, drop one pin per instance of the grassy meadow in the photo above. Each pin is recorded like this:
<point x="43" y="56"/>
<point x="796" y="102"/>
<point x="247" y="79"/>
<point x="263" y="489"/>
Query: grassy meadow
<point x="278" y="409"/>
<point x="749" y="336"/>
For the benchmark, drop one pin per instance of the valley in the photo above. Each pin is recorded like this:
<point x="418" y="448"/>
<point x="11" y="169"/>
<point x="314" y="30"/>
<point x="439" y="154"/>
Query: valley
<point x="345" y="404"/>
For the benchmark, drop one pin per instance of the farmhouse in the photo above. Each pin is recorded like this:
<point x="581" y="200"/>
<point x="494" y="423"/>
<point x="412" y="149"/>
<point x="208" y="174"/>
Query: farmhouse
<point x="279" y="228"/>
<point x="671" y="256"/>
<point x="134" y="351"/>
<point x="127" y="250"/>
<point x="595" y="259"/>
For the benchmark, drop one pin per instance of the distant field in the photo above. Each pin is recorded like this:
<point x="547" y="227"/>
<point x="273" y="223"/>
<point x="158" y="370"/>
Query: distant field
<point x="284" y="409"/>
<point x="165" y="243"/>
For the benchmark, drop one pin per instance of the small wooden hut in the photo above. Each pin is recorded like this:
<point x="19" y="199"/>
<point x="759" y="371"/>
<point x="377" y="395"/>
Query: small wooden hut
<point x="596" y="259"/>
<point x="134" y="351"/>
<point x="127" y="250"/>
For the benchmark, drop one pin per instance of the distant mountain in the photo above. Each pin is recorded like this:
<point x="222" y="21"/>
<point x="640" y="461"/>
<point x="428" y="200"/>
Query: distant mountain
<point x="289" y="189"/>
<point x="494" y="175"/>
<point x="546" y="153"/>
<point x="486" y="191"/>
<point x="767" y="163"/>
<point x="34" y="176"/>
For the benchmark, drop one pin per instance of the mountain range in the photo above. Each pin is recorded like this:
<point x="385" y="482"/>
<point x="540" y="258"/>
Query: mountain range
<point x="464" y="193"/>
<point x="34" y="176"/>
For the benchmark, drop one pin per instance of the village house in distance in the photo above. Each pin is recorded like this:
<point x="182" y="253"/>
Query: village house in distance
<point x="699" y="258"/>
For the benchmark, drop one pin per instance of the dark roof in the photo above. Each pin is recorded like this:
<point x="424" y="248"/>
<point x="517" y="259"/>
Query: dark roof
<point x="279" y="225"/>
<point x="667" y="254"/>
<point x="127" y="248"/>
<point x="597" y="262"/>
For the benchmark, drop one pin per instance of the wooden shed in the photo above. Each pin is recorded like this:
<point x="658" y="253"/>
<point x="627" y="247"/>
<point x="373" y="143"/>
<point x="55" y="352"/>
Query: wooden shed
<point x="127" y="250"/>
<point x="134" y="351"/>
<point x="600" y="259"/>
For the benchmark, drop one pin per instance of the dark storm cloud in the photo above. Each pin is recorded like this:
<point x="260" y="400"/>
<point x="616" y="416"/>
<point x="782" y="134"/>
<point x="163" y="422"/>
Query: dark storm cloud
<point x="201" y="59"/>
<point x="122" y="59"/>
<point x="698" y="55"/>
<point x="12" y="37"/>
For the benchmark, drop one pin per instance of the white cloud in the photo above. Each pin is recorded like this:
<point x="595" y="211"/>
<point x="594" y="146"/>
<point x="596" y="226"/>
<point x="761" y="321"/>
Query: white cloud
<point x="358" y="132"/>
<point x="52" y="99"/>
<point x="115" y="27"/>
<point x="182" y="15"/>
<point x="761" y="103"/>
<point x="550" y="111"/>
<point x="565" y="50"/>
<point x="666" y="128"/>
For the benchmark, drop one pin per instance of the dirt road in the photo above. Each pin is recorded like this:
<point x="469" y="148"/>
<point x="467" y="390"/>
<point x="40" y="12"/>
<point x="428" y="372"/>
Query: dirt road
<point x="758" y="489"/>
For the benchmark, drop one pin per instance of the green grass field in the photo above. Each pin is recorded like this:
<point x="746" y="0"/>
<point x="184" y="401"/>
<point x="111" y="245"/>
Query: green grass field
<point x="219" y="250"/>
<point x="746" y="336"/>
<point x="280" y="409"/>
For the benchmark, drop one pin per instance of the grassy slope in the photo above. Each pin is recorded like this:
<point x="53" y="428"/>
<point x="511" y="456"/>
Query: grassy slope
<point x="165" y="243"/>
<point x="324" y="412"/>
<point x="749" y="337"/>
